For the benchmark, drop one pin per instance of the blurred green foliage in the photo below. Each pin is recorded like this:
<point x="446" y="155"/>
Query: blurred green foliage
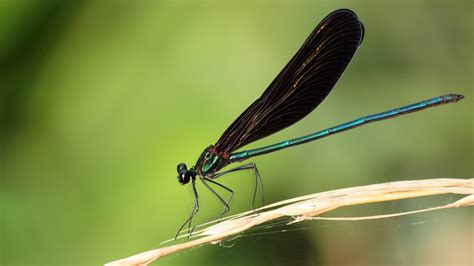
<point x="100" y="100"/>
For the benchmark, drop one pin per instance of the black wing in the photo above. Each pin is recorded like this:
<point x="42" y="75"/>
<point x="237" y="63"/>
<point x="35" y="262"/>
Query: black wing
<point x="302" y="84"/>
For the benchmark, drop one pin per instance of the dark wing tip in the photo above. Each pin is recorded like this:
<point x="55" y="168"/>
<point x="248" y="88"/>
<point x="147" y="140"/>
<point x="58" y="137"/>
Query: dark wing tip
<point x="343" y="10"/>
<point x="348" y="12"/>
<point x="362" y="28"/>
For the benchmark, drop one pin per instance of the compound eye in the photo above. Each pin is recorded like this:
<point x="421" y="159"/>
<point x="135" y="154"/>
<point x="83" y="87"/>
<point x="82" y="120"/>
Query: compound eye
<point x="184" y="177"/>
<point x="182" y="167"/>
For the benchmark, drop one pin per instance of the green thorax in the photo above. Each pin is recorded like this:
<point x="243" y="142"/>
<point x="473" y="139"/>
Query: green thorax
<point x="209" y="163"/>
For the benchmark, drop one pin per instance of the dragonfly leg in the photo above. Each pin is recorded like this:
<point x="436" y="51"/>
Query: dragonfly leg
<point x="226" y="204"/>
<point x="193" y="213"/>
<point x="258" y="179"/>
<point x="224" y="187"/>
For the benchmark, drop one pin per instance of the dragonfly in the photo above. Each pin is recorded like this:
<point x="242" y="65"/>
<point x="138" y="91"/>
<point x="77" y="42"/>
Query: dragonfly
<point x="296" y="91"/>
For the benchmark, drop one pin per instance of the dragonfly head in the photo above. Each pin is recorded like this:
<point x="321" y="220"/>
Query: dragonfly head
<point x="184" y="175"/>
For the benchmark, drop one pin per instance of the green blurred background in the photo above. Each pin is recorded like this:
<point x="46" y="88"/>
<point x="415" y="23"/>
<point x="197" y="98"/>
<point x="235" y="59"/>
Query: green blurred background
<point x="100" y="100"/>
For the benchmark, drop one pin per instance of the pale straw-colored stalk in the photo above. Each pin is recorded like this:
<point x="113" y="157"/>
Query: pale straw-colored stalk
<point x="309" y="207"/>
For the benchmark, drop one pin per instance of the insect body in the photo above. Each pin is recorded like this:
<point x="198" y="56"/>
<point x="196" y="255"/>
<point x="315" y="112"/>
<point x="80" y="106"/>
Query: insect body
<point x="296" y="91"/>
